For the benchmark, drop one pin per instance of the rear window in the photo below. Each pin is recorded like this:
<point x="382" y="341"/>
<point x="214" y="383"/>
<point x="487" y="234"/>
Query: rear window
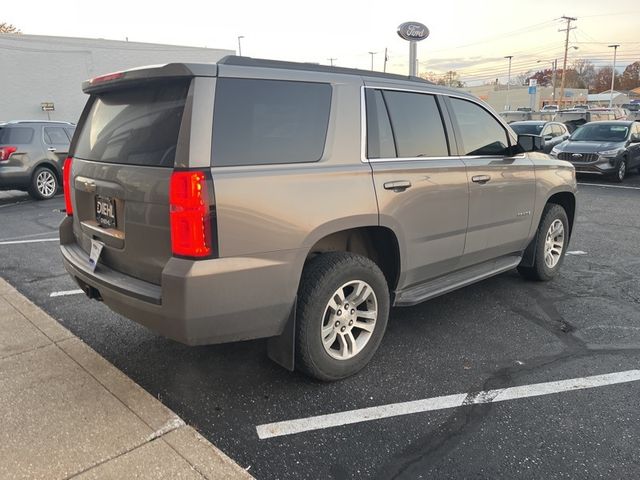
<point x="16" y="135"/>
<point x="260" y="122"/>
<point x="527" y="128"/>
<point x="136" y="126"/>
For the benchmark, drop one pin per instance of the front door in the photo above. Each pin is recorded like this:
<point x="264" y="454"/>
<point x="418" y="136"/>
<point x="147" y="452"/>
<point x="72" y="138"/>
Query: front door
<point x="501" y="185"/>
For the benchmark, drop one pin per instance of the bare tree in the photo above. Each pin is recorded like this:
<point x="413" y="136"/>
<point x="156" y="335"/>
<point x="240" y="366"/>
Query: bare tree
<point x="8" y="28"/>
<point x="585" y="72"/>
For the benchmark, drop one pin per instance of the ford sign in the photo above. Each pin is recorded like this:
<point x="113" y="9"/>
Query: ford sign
<point x="413" y="31"/>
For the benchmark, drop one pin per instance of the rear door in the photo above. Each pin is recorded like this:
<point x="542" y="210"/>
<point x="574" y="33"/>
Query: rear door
<point x="501" y="186"/>
<point x="56" y="144"/>
<point x="123" y="159"/>
<point x="421" y="188"/>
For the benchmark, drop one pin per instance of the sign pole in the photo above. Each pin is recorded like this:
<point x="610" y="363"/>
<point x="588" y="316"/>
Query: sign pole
<point x="413" y="54"/>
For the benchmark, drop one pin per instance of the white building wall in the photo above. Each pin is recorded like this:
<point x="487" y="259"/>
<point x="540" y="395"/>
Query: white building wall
<point x="36" y="69"/>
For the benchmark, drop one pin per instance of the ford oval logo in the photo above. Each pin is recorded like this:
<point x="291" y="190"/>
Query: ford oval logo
<point x="413" y="31"/>
<point x="577" y="155"/>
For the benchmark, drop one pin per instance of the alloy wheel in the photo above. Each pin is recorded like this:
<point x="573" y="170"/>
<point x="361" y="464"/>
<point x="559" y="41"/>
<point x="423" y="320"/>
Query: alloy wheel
<point x="554" y="244"/>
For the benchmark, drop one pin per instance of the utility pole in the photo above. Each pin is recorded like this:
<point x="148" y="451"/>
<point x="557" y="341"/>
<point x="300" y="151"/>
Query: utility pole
<point x="566" y="51"/>
<point x="240" y="37"/>
<point x="613" y="72"/>
<point x="372" y="54"/>
<point x="331" y="60"/>
<point x="386" y="58"/>
<point x="508" y="106"/>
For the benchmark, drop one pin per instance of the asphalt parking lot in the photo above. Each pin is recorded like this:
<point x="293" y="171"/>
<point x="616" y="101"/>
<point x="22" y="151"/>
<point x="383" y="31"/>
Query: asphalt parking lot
<point x="502" y="333"/>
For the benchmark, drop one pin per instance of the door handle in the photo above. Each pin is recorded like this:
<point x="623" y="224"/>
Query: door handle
<point x="51" y="149"/>
<point x="398" y="185"/>
<point x="481" y="179"/>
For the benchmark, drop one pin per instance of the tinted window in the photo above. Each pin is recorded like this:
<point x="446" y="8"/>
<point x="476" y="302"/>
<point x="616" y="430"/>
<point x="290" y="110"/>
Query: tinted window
<point x="380" y="142"/>
<point x="137" y="126"/>
<point x="259" y="122"/>
<point x="16" y="135"/>
<point x="55" y="136"/>
<point x="417" y="124"/>
<point x="558" y="131"/>
<point x="481" y="133"/>
<point x="70" y="131"/>
<point x="527" y="128"/>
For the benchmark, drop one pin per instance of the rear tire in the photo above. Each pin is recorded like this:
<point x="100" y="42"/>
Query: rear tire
<point x="552" y="239"/>
<point x="44" y="184"/>
<point x="342" y="312"/>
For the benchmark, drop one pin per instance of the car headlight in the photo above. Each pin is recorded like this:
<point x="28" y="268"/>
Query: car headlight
<point x="610" y="153"/>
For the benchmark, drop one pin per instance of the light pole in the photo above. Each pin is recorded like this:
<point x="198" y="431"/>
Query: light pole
<point x="240" y="37"/>
<point x="372" y="54"/>
<point x="508" y="106"/>
<point x="613" y="72"/>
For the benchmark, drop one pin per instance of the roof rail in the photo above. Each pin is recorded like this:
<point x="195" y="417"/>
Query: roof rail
<point x="37" y="121"/>
<point x="313" y="67"/>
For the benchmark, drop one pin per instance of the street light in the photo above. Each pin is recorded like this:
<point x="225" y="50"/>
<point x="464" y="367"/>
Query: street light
<point x="372" y="54"/>
<point x="613" y="71"/>
<point x="507" y="106"/>
<point x="240" y="37"/>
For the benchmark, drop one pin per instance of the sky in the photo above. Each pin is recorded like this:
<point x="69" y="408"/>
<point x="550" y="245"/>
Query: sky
<point x="467" y="36"/>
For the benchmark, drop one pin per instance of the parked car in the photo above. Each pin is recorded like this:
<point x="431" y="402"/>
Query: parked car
<point x="550" y="108"/>
<point x="256" y="198"/>
<point x="573" y="117"/>
<point x="510" y="116"/>
<point x="633" y="109"/>
<point x="552" y="133"/>
<point x="31" y="156"/>
<point x="603" y="148"/>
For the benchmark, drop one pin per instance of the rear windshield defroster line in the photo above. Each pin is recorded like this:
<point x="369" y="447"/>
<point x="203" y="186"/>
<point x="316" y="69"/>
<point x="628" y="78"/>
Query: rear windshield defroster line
<point x="136" y="126"/>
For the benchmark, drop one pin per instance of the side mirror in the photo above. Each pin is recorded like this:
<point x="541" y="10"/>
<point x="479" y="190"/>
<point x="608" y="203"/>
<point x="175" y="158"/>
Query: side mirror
<point x="529" y="143"/>
<point x="546" y="138"/>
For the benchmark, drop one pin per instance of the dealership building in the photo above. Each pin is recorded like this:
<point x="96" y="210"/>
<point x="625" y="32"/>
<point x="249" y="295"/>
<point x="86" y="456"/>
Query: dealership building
<point x="42" y="76"/>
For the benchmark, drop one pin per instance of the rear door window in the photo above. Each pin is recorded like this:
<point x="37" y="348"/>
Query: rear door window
<point x="481" y="133"/>
<point x="260" y="122"/>
<point x="416" y="124"/>
<point x="136" y="126"/>
<point x="16" y="135"/>
<point x="55" y="136"/>
<point x="380" y="143"/>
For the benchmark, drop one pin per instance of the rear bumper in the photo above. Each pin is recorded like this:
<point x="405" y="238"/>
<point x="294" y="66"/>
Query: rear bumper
<point x="13" y="177"/>
<point x="198" y="302"/>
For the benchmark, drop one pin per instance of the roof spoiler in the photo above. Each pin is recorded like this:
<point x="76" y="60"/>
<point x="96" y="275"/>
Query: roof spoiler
<point x="142" y="75"/>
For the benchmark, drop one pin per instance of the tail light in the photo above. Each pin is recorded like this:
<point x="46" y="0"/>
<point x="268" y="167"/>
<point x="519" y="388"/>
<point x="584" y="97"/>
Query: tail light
<point x="189" y="214"/>
<point x="5" y="153"/>
<point x="66" y="185"/>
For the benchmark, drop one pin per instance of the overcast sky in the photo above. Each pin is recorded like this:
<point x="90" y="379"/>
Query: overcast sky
<point x="468" y="36"/>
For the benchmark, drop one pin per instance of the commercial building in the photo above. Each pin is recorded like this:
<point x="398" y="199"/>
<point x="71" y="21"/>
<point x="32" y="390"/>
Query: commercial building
<point x="517" y="96"/>
<point x="42" y="75"/>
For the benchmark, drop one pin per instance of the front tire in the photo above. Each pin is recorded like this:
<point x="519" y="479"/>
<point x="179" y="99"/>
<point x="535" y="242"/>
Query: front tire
<point x="44" y="184"/>
<point x="621" y="171"/>
<point x="342" y="313"/>
<point x="552" y="239"/>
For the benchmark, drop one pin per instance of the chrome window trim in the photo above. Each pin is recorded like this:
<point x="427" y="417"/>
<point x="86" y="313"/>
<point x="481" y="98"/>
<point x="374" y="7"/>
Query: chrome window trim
<point x="363" y="122"/>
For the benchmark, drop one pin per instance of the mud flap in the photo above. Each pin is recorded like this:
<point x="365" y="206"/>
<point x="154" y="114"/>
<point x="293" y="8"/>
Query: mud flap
<point x="529" y="255"/>
<point x="282" y="349"/>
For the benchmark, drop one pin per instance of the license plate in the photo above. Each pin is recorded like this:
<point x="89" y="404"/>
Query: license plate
<point x="106" y="212"/>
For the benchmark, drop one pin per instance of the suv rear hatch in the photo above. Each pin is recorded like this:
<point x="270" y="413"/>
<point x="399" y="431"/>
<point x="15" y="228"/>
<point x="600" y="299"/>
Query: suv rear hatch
<point x="123" y="158"/>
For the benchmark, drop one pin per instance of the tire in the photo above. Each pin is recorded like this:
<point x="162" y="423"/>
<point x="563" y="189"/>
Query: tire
<point x="322" y="279"/>
<point x="545" y="268"/>
<point x="44" y="184"/>
<point x="621" y="171"/>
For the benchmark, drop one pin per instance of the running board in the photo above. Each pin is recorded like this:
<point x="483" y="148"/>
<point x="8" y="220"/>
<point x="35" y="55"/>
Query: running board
<point x="461" y="278"/>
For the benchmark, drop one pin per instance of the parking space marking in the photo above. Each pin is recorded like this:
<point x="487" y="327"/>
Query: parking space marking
<point x="23" y="237"/>
<point x="291" y="427"/>
<point x="15" y="242"/>
<point x="610" y="186"/>
<point x="576" y="252"/>
<point x="65" y="293"/>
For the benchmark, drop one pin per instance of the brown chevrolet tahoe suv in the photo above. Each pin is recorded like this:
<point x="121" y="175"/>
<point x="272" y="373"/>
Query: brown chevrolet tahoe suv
<point x="254" y="198"/>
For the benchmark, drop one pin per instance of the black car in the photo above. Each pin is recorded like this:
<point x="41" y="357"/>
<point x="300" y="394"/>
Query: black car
<point x="31" y="156"/>
<point x="552" y="133"/>
<point x="603" y="148"/>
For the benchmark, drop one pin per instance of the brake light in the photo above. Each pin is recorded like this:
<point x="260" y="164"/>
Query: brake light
<point x="106" y="78"/>
<point x="189" y="214"/>
<point x="66" y="185"/>
<point x="5" y="153"/>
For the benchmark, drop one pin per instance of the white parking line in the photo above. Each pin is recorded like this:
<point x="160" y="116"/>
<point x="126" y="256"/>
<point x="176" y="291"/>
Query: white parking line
<point x="319" y="422"/>
<point x="576" y="252"/>
<point x="14" y="242"/>
<point x="65" y="293"/>
<point x="609" y="186"/>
